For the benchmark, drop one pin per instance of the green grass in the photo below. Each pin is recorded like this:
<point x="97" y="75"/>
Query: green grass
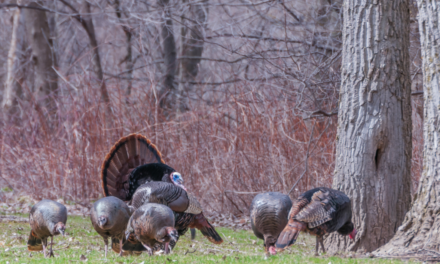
<point x="239" y="246"/>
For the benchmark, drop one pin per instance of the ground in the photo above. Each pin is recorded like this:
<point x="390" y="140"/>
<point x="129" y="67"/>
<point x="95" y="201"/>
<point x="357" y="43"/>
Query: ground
<point x="83" y="244"/>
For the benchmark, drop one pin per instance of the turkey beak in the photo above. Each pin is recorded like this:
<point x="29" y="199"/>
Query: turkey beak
<point x="62" y="231"/>
<point x="127" y="234"/>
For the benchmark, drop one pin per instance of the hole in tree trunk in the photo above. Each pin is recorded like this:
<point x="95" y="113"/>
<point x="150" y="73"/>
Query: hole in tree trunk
<point x="376" y="158"/>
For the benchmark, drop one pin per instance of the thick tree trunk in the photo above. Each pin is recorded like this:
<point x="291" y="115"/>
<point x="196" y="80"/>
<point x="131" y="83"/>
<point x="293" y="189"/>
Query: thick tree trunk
<point x="193" y="31"/>
<point x="168" y="94"/>
<point x="373" y="155"/>
<point x="419" y="234"/>
<point x="44" y="60"/>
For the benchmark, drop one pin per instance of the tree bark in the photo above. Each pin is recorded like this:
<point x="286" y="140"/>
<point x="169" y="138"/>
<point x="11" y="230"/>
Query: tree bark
<point x="193" y="32"/>
<point x="8" y="102"/>
<point x="373" y="155"/>
<point x="168" y="94"/>
<point x="90" y="29"/>
<point x="129" y="57"/>
<point x="44" y="60"/>
<point x="419" y="234"/>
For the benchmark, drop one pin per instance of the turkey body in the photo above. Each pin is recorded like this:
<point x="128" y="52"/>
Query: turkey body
<point x="189" y="213"/>
<point x="47" y="218"/>
<point x="318" y="211"/>
<point x="109" y="217"/>
<point x="269" y="215"/>
<point x="152" y="224"/>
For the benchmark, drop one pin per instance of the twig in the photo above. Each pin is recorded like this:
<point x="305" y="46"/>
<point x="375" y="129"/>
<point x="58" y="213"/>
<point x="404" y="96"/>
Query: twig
<point x="417" y="93"/>
<point x="321" y="112"/>
<point x="307" y="159"/>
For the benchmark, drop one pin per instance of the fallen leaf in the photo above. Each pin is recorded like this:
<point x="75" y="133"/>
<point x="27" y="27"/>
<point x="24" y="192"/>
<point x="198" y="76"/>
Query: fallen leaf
<point x="83" y="258"/>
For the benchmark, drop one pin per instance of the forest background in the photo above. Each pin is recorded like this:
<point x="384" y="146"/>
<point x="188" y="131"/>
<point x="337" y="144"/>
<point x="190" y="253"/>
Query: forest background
<point x="241" y="97"/>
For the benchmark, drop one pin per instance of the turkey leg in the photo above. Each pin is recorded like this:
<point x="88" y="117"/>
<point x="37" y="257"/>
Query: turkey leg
<point x="317" y="247"/>
<point x="50" y="251"/>
<point x="321" y="241"/>
<point x="120" y="247"/>
<point x="44" y="242"/>
<point x="106" y="246"/>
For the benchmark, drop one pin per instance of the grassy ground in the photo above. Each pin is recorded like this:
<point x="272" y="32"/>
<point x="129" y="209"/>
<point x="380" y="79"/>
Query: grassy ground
<point x="239" y="246"/>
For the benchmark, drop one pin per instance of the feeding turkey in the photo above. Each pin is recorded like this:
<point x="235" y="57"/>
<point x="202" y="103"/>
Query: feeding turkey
<point x="318" y="212"/>
<point x="153" y="226"/>
<point x="109" y="217"/>
<point x="269" y="214"/>
<point x="47" y="218"/>
<point x="189" y="213"/>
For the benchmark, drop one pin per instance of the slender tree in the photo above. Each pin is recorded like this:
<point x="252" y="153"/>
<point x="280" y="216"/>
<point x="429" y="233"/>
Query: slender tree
<point x="419" y="233"/>
<point x="373" y="155"/>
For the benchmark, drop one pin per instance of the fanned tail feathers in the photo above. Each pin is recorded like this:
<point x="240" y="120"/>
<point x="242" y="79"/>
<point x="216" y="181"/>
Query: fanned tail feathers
<point x="127" y="154"/>
<point x="290" y="233"/>
<point x="34" y="243"/>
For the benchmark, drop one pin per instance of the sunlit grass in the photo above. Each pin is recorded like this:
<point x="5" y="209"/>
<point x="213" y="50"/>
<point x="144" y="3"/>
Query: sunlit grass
<point x="239" y="246"/>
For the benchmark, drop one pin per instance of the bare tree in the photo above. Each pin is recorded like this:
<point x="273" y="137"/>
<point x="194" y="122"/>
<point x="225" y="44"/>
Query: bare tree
<point x="168" y="93"/>
<point x="43" y="58"/>
<point x="194" y="18"/>
<point x="86" y="21"/>
<point x="373" y="154"/>
<point x="419" y="233"/>
<point x="8" y="100"/>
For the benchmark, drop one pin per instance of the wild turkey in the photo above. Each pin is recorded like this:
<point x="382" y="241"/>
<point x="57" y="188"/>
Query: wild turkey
<point x="318" y="211"/>
<point x="188" y="210"/>
<point x="269" y="215"/>
<point x="47" y="219"/>
<point x="131" y="162"/>
<point x="109" y="217"/>
<point x="152" y="224"/>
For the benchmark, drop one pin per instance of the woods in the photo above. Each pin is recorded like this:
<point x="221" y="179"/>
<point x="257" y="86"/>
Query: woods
<point x="241" y="97"/>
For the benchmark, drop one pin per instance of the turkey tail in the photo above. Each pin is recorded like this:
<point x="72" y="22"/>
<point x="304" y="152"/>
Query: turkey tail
<point x="202" y="224"/>
<point x="193" y="234"/>
<point x="290" y="233"/>
<point x="127" y="154"/>
<point x="34" y="243"/>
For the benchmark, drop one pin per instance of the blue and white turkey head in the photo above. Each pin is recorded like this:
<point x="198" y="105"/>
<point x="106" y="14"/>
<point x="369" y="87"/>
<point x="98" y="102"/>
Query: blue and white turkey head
<point x="177" y="179"/>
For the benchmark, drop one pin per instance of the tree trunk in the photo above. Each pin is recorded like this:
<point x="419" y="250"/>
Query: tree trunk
<point x="168" y="94"/>
<point x="90" y="29"/>
<point x="419" y="234"/>
<point x="44" y="60"/>
<point x="129" y="57"/>
<point x="193" y="31"/>
<point x="8" y="102"/>
<point x="373" y="155"/>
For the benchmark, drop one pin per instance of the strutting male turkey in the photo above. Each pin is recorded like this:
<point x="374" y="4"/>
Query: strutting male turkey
<point x="189" y="213"/>
<point x="269" y="215"/>
<point x="131" y="162"/>
<point x="318" y="211"/>
<point x="47" y="218"/>
<point x="109" y="216"/>
<point x="153" y="226"/>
